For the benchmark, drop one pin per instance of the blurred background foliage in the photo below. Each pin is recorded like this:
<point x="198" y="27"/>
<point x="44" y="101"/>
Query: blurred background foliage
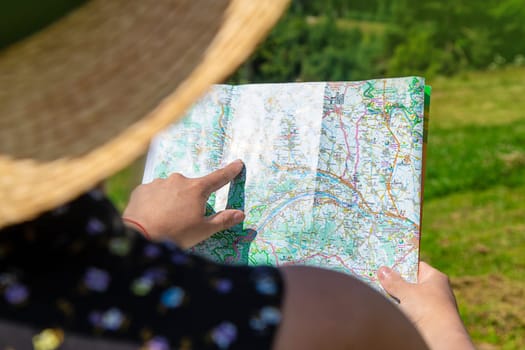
<point x="472" y="53"/>
<point x="354" y="40"/>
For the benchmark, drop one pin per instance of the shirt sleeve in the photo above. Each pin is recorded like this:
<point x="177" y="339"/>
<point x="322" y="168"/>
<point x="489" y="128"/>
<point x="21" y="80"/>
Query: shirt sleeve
<point x="76" y="277"/>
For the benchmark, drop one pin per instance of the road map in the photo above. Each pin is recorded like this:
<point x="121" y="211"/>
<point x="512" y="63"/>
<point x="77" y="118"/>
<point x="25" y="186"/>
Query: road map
<point x="332" y="177"/>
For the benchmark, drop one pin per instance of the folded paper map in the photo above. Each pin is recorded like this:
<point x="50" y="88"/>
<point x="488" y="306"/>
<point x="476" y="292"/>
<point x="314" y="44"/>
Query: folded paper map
<point x="333" y="171"/>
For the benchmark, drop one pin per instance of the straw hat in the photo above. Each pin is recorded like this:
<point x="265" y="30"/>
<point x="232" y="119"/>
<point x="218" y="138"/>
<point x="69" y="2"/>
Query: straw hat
<point x="82" y="98"/>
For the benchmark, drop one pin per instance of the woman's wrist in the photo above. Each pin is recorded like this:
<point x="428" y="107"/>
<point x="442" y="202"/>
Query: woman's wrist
<point x="137" y="226"/>
<point x="446" y="331"/>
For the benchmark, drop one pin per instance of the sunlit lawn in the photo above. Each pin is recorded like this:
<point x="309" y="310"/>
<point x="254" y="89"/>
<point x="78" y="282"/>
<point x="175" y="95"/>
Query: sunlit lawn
<point x="474" y="214"/>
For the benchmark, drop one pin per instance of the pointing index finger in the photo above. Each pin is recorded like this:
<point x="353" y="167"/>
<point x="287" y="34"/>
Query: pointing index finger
<point x="213" y="181"/>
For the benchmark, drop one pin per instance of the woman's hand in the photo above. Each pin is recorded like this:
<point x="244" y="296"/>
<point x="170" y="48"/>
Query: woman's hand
<point x="430" y="305"/>
<point x="173" y="208"/>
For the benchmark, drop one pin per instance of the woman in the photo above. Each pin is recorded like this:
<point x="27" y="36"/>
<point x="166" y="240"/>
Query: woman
<point x="79" y="101"/>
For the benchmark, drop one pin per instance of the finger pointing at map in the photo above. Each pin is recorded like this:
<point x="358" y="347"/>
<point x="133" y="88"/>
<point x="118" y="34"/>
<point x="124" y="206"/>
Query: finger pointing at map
<point x="174" y="208"/>
<point x="219" y="178"/>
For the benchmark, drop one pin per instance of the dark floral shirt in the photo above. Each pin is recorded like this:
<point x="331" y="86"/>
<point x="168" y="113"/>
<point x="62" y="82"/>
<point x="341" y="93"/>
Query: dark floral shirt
<point x="77" y="278"/>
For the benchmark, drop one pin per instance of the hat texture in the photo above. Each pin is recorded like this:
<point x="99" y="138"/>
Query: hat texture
<point x="82" y="98"/>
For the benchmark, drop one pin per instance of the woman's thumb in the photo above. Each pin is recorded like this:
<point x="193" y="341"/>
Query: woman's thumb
<point x="393" y="283"/>
<point x="224" y="220"/>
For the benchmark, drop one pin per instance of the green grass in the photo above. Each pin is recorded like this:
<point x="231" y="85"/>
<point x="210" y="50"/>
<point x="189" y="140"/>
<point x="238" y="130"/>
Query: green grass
<point x="474" y="212"/>
<point x="476" y="233"/>
<point x="477" y="238"/>
<point x="478" y="98"/>
<point x="119" y="186"/>
<point x="474" y="157"/>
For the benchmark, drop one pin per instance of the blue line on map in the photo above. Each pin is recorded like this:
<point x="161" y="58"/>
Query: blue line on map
<point x="319" y="194"/>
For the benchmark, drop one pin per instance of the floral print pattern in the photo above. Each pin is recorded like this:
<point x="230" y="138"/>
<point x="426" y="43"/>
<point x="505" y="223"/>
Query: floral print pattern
<point x="76" y="276"/>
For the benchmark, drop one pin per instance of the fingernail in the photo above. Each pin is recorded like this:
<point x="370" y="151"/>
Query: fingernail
<point x="384" y="272"/>
<point x="238" y="217"/>
<point x="236" y="161"/>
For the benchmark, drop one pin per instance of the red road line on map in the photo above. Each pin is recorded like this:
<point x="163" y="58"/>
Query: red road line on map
<point x="221" y="124"/>
<point x="350" y="185"/>
<point x="387" y="122"/>
<point x="345" y="137"/>
<point x="339" y="113"/>
<point x="236" y="243"/>
<point x="274" y="253"/>
<point x="357" y="146"/>
<point x="398" y="261"/>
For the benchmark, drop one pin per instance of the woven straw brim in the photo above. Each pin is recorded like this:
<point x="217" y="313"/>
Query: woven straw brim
<point x="83" y="98"/>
